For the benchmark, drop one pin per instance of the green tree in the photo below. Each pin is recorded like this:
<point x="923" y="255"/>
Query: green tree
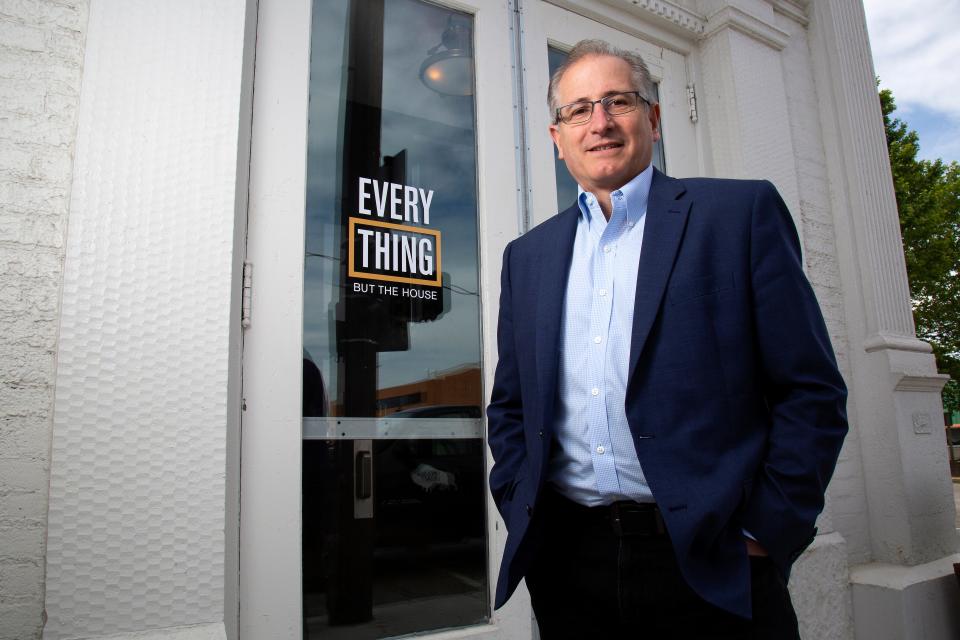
<point x="928" y="199"/>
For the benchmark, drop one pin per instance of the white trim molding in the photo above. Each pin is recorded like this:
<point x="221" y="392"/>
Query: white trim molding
<point x="794" y="9"/>
<point x="931" y="383"/>
<point x="730" y="17"/>
<point x="880" y="341"/>
<point x="665" y="10"/>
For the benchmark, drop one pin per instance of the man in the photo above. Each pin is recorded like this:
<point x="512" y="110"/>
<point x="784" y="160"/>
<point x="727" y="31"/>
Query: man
<point x="667" y="410"/>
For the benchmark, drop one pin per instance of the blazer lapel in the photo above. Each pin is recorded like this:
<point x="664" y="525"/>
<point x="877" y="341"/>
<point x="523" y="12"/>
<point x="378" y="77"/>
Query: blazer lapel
<point x="554" y="267"/>
<point x="667" y="211"/>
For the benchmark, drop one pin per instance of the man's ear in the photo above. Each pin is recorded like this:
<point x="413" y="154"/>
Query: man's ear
<point x="653" y="113"/>
<point x="555" y="134"/>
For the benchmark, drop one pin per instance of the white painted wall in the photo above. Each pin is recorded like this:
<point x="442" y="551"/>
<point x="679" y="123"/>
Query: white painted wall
<point x="41" y="56"/>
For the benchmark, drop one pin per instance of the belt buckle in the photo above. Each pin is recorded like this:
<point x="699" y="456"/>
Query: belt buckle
<point x="615" y="519"/>
<point x="652" y="524"/>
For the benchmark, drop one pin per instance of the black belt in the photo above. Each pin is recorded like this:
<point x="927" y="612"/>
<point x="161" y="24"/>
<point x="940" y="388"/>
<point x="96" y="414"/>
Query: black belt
<point x="625" y="518"/>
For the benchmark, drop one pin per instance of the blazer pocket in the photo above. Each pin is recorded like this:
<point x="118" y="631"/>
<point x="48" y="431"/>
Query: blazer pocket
<point x="517" y="479"/>
<point x="699" y="287"/>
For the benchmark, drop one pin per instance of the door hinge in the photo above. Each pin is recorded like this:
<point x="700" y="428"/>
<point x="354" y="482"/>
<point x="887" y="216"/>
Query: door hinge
<point x="246" y="295"/>
<point x="692" y="101"/>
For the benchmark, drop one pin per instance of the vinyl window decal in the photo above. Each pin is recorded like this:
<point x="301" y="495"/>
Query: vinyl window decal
<point x="394" y="253"/>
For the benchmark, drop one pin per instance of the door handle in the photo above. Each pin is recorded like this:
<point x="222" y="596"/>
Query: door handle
<point x="363" y="482"/>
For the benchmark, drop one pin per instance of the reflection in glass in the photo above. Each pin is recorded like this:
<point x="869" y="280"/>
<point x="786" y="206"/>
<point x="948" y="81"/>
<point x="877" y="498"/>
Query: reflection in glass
<point x="393" y="526"/>
<point x="566" y="185"/>
<point x="448" y="68"/>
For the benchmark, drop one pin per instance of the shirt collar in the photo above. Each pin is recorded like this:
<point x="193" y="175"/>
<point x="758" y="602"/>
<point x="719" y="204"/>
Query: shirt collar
<point x="636" y="193"/>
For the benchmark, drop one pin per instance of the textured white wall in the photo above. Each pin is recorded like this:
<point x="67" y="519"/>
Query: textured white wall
<point x="41" y="54"/>
<point x="137" y="482"/>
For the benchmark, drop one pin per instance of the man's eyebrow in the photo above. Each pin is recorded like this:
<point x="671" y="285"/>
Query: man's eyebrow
<point x="612" y="92"/>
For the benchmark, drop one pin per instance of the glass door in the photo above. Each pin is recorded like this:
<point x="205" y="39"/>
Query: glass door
<point x="382" y="148"/>
<point x="394" y="527"/>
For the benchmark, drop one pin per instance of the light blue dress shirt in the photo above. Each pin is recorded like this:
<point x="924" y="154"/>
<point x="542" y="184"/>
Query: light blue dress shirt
<point x="595" y="461"/>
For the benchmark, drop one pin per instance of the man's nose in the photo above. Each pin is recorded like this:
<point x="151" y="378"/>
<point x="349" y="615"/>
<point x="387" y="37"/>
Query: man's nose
<point x="600" y="120"/>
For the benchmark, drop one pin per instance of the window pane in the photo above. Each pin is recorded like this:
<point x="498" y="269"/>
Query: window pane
<point x="393" y="459"/>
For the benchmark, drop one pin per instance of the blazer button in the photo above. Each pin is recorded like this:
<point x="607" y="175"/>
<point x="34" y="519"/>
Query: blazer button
<point x="529" y="510"/>
<point x="540" y="433"/>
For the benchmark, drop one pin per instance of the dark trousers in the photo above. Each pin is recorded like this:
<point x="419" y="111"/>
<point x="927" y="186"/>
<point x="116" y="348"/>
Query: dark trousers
<point x="588" y="580"/>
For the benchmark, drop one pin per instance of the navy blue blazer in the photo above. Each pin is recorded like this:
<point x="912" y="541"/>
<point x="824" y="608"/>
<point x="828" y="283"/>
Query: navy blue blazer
<point x="734" y="399"/>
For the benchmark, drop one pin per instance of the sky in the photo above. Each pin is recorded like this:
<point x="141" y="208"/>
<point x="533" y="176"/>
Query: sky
<point x="916" y="54"/>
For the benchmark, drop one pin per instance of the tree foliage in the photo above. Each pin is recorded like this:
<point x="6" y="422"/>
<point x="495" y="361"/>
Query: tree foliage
<point x="928" y="199"/>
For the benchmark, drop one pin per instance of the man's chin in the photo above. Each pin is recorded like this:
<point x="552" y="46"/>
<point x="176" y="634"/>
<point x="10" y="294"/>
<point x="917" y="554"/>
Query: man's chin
<point x="611" y="179"/>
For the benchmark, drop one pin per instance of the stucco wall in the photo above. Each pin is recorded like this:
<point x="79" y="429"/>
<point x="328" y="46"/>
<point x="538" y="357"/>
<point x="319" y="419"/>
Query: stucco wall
<point x="41" y="56"/>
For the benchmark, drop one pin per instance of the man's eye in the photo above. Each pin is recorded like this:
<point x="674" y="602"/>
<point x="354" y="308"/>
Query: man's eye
<point x="617" y="101"/>
<point x="578" y="110"/>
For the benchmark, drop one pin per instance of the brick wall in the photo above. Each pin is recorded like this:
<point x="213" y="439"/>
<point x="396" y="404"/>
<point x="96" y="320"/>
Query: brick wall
<point x="41" y="57"/>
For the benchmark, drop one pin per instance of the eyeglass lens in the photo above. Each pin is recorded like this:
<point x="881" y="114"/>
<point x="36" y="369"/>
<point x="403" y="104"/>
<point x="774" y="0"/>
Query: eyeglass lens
<point x="615" y="105"/>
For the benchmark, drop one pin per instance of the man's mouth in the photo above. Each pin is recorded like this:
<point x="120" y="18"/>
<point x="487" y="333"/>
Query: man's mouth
<point x="606" y="147"/>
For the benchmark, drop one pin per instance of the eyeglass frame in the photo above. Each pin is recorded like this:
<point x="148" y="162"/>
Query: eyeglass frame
<point x="602" y="102"/>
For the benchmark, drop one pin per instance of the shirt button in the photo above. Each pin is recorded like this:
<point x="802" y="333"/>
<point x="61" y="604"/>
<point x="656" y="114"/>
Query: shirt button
<point x="600" y="449"/>
<point x="602" y="292"/>
<point x="597" y="339"/>
<point x="606" y="249"/>
<point x="594" y="391"/>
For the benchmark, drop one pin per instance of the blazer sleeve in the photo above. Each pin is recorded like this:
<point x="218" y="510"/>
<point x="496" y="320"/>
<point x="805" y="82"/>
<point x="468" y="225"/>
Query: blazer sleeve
<point x="803" y="389"/>
<point x="505" y="412"/>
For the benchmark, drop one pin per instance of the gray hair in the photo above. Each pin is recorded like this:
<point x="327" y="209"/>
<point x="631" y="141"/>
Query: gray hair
<point x="585" y="48"/>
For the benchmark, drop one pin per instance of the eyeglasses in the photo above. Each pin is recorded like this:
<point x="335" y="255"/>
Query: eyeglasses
<point x="616" y="104"/>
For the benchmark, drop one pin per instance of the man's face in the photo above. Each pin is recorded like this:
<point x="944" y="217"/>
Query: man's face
<point x="606" y="152"/>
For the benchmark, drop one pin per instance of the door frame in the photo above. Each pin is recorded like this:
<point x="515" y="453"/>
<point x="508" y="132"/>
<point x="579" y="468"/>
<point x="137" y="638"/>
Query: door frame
<point x="270" y="496"/>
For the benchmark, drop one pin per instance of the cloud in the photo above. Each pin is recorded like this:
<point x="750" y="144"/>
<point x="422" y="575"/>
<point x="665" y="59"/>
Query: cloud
<point x="915" y="53"/>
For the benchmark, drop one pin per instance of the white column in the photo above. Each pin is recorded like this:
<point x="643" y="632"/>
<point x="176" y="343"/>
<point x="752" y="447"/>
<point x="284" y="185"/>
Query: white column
<point x="895" y="403"/>
<point x="895" y="378"/>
